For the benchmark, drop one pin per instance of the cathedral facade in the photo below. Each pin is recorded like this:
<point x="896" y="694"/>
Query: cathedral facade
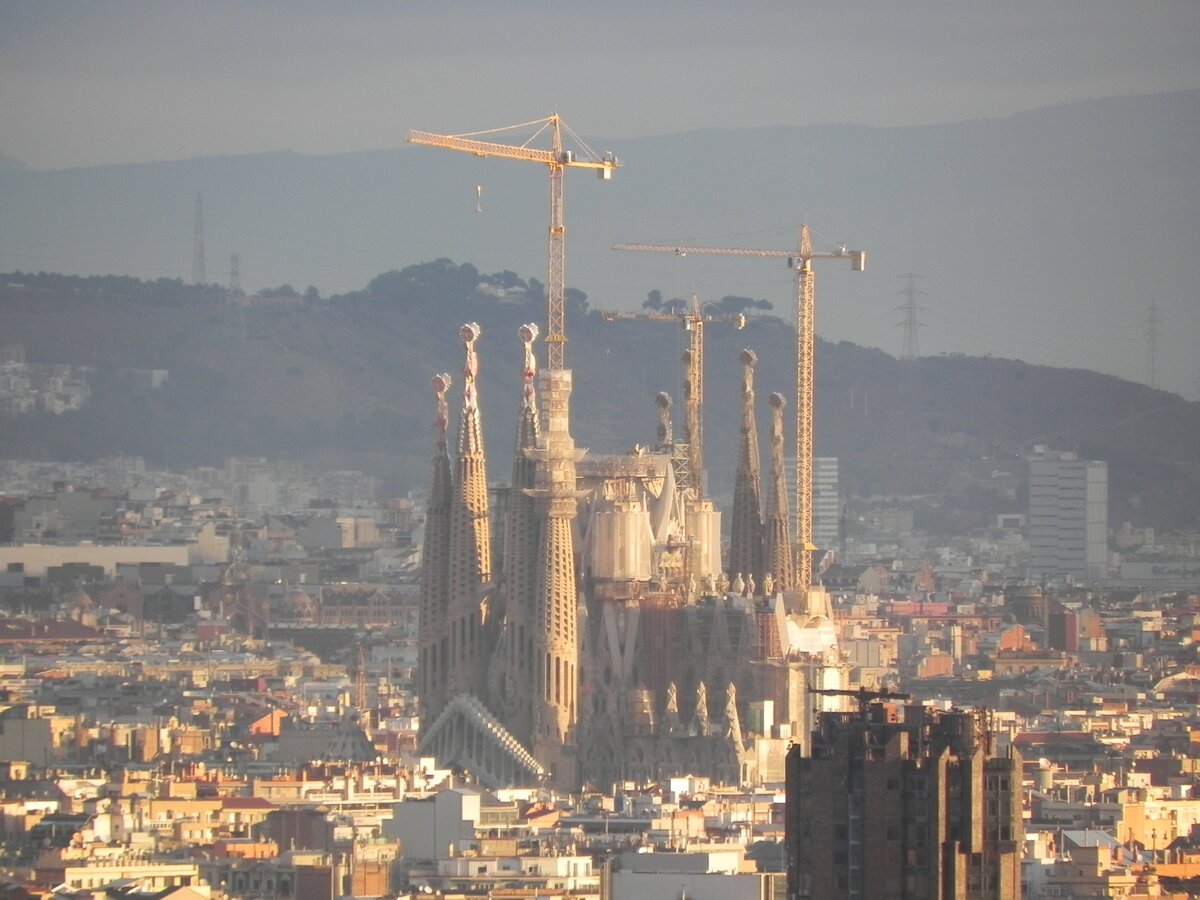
<point x="586" y="631"/>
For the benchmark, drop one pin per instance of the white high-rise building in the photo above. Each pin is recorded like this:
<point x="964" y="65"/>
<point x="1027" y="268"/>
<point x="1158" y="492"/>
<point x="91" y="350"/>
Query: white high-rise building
<point x="826" y="500"/>
<point x="1068" y="516"/>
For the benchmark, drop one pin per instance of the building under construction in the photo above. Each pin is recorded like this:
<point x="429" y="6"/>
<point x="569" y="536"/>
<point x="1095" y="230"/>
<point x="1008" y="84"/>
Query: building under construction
<point x="605" y="639"/>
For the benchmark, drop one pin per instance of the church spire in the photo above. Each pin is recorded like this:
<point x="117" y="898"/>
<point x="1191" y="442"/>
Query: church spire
<point x="666" y="434"/>
<point x="435" y="568"/>
<point x="746" y="535"/>
<point x="777" y="539"/>
<point x="521" y="543"/>
<point x="470" y="538"/>
<point x="556" y="623"/>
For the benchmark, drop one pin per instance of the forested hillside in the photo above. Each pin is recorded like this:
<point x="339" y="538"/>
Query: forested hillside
<point x="343" y="382"/>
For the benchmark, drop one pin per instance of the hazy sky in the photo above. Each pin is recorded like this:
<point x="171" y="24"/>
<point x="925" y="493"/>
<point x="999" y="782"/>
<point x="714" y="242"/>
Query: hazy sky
<point x="83" y="83"/>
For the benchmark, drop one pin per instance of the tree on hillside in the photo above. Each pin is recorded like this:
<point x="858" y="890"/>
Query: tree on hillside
<point x="731" y="304"/>
<point x="654" y="300"/>
<point x="426" y="284"/>
<point x="575" y="301"/>
<point x="506" y="280"/>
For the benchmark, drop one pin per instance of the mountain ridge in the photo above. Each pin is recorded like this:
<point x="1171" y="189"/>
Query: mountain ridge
<point x="343" y="382"/>
<point x="1134" y="100"/>
<point x="1012" y="222"/>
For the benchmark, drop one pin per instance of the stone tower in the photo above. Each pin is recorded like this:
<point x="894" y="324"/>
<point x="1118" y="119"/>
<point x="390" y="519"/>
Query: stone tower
<point x="555" y="629"/>
<point x="666" y="434"/>
<point x="693" y="424"/>
<point x="777" y="539"/>
<point x="522" y="545"/>
<point x="746" y="535"/>
<point x="469" y="541"/>
<point x="433" y="645"/>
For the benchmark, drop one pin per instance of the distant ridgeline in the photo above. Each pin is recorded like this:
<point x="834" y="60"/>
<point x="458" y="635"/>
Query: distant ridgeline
<point x="343" y="381"/>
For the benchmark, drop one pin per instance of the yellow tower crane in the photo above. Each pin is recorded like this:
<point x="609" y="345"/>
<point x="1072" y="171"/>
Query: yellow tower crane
<point x="693" y="322"/>
<point x="556" y="159"/>
<point x="801" y="260"/>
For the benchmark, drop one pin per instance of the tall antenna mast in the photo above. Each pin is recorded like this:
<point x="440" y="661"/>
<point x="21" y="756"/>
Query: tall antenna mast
<point x="910" y="308"/>
<point x="198" y="274"/>
<point x="1152" y="336"/>
<point x="235" y="275"/>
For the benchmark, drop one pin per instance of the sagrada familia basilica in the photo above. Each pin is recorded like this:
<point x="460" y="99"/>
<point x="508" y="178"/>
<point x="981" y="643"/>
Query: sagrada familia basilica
<point x="583" y="629"/>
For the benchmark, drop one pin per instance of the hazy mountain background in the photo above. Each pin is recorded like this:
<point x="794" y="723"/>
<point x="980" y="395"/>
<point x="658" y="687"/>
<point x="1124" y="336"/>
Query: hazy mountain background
<point x="1042" y="236"/>
<point x="343" y="382"/>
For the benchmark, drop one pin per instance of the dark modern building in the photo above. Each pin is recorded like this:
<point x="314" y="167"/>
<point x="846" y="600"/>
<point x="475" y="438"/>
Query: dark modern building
<point x="904" y="802"/>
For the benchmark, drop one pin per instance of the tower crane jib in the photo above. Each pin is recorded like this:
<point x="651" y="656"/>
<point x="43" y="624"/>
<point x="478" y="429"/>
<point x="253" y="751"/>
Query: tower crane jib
<point x="693" y="322"/>
<point x="800" y="260"/>
<point x="556" y="159"/>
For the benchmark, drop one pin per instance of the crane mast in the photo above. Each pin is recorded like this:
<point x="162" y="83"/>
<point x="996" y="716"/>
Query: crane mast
<point x="805" y="356"/>
<point x="801" y="260"/>
<point x="693" y="401"/>
<point x="556" y="159"/>
<point x="693" y="322"/>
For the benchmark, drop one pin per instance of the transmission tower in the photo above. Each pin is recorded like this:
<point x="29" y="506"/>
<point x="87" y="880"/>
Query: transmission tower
<point x="198" y="274"/>
<point x="1152" y="335"/>
<point x="235" y="276"/>
<point x="910" y="308"/>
